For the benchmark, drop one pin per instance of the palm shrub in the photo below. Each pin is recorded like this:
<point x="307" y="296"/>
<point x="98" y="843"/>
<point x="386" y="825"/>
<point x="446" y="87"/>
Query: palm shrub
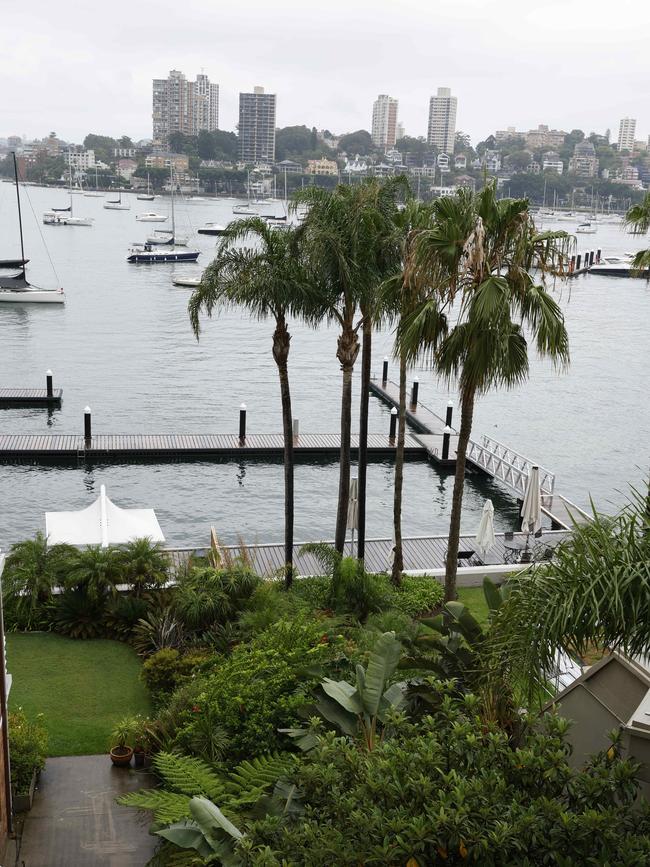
<point x="205" y="598"/>
<point x="77" y="615"/>
<point x="33" y="570"/>
<point x="143" y="565"/>
<point x="95" y="572"/>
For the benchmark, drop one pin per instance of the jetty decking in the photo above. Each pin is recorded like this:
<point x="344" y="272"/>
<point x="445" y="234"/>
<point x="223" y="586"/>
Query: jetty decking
<point x="116" y="446"/>
<point x="421" y="554"/>
<point x="13" y="397"/>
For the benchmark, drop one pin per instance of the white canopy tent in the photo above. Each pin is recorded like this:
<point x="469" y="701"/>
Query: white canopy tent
<point x="103" y="524"/>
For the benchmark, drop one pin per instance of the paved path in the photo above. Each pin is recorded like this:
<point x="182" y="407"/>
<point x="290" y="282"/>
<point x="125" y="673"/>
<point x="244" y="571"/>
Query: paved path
<point x="75" y="821"/>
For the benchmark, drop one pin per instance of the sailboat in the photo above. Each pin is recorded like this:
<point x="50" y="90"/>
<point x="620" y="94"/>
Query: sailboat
<point x="146" y="197"/>
<point x="166" y="251"/>
<point x="117" y="204"/>
<point x="16" y="288"/>
<point x="96" y="194"/>
<point x="64" y="216"/>
<point x="246" y="209"/>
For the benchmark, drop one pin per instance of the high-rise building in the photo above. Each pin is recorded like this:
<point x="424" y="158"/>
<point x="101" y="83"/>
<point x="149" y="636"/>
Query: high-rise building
<point x="400" y="132"/>
<point x="257" y="126"/>
<point x="626" y="132"/>
<point x="442" y="120"/>
<point x="384" y="122"/>
<point x="179" y="105"/>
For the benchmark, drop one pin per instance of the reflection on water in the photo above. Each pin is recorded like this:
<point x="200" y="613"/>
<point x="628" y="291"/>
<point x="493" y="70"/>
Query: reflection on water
<point x="123" y="345"/>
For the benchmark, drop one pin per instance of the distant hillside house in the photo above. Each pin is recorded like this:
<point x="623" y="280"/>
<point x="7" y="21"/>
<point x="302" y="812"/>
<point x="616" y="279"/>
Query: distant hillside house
<point x="126" y="168"/>
<point x="289" y="166"/>
<point x="179" y="162"/>
<point x="551" y="162"/>
<point x="322" y="167"/>
<point x="357" y="166"/>
<point x="460" y="161"/>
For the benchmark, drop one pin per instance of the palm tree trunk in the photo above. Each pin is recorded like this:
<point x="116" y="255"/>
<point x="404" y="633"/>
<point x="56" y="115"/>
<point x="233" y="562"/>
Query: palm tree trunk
<point x="398" y="559"/>
<point x="467" y="416"/>
<point x="281" y="346"/>
<point x="366" y="358"/>
<point x="346" y="352"/>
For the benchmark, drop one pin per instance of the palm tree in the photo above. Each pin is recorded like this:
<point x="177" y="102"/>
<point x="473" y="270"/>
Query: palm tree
<point x="95" y="572"/>
<point x="348" y="239"/>
<point x="32" y="572"/>
<point x="638" y="216"/>
<point x="268" y="281"/>
<point x="143" y="565"/>
<point x="400" y="296"/>
<point x="479" y="259"/>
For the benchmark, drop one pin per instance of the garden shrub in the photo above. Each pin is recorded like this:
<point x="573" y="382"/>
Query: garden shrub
<point x="206" y="598"/>
<point x="27" y="749"/>
<point x="260" y="687"/>
<point x="417" y="595"/>
<point x="165" y="670"/>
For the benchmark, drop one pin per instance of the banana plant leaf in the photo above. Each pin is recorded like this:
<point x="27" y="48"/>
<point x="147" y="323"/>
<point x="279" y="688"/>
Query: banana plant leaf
<point x="383" y="661"/>
<point x="344" y="693"/>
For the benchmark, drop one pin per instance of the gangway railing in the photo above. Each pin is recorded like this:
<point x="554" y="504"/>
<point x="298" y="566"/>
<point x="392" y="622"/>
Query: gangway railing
<point x="508" y="466"/>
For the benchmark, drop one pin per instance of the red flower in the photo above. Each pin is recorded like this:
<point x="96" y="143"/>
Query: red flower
<point x="196" y="709"/>
<point x="324" y="639"/>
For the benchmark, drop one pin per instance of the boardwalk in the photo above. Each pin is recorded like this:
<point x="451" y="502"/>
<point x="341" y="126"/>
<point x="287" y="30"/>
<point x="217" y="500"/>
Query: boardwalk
<point x="29" y="397"/>
<point x="421" y="554"/>
<point x="117" y="446"/>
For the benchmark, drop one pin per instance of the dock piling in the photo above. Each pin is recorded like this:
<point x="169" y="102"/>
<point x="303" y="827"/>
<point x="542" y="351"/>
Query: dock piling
<point x="296" y="428"/>
<point x="393" y="423"/>
<point x="598" y="252"/>
<point x="591" y="258"/>
<point x="88" y="429"/>
<point x="49" y="384"/>
<point x="242" y="422"/>
<point x="446" y="437"/>
<point x="414" y="393"/>
<point x="384" y="372"/>
<point x="578" y="260"/>
<point x="449" y="413"/>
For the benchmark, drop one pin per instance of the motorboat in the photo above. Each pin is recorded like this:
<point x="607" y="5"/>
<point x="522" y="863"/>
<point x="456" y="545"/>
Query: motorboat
<point x="151" y="217"/>
<point x="271" y="218"/>
<point x="618" y="266"/>
<point x="147" y="254"/>
<point x="245" y="210"/>
<point x="587" y="229"/>
<point x="212" y="229"/>
<point x="16" y="288"/>
<point x="189" y="282"/>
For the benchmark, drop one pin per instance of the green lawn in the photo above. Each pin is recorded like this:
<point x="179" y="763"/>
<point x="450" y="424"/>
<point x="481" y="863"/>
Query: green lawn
<point x="82" y="687"/>
<point x="474" y="598"/>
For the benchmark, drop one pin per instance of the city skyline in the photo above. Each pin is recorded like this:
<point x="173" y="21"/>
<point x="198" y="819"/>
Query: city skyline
<point x="44" y="90"/>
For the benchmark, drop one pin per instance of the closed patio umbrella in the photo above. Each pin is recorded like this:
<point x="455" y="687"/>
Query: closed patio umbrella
<point x="531" y="511"/>
<point x="485" y="536"/>
<point x="352" y="522"/>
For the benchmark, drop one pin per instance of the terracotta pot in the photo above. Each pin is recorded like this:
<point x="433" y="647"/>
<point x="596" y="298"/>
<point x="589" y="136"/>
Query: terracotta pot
<point x="121" y="756"/>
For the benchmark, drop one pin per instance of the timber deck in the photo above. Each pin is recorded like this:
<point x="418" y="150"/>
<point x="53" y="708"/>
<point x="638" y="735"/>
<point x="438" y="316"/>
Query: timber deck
<point x="12" y="397"/>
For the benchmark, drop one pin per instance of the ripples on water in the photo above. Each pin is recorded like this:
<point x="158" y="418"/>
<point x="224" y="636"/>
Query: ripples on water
<point x="123" y="345"/>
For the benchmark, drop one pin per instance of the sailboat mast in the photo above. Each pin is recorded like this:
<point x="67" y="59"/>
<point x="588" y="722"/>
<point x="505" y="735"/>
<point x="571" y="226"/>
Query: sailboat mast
<point x="20" y="216"/>
<point x="171" y="188"/>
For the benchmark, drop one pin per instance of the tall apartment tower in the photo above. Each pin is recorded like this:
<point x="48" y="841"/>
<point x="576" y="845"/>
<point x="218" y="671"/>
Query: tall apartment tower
<point x="442" y="120"/>
<point x="626" y="133"/>
<point x="384" y="122"/>
<point x="180" y="105"/>
<point x="257" y="126"/>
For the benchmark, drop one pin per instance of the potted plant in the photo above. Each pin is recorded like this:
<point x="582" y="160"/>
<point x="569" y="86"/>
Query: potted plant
<point x="121" y="752"/>
<point x="141" y="740"/>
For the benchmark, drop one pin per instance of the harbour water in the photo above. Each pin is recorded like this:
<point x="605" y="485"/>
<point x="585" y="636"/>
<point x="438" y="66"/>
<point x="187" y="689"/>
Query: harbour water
<point x="122" y="344"/>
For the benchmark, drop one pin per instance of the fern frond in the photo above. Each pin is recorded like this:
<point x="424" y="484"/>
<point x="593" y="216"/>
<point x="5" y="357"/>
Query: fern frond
<point x="189" y="776"/>
<point x="167" y="807"/>
<point x="259" y="774"/>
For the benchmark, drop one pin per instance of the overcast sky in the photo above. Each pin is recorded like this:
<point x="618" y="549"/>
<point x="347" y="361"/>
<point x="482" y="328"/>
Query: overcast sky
<point x="77" y="69"/>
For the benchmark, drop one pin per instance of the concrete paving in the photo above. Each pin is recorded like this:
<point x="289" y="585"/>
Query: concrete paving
<point x="75" y="822"/>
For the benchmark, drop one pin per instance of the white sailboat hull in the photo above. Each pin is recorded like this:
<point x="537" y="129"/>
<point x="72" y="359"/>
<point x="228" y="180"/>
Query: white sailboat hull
<point x="117" y="206"/>
<point x="33" y="296"/>
<point x="151" y="218"/>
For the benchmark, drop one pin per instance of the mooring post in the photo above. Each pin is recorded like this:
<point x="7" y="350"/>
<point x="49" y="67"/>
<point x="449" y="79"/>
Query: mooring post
<point x="88" y="426"/>
<point x="578" y="259"/>
<point x="49" y="384"/>
<point x="384" y="372"/>
<point x="393" y="423"/>
<point x="242" y="422"/>
<point x="446" y="436"/>
<point x="449" y="414"/>
<point x="572" y="265"/>
<point x="598" y="252"/>
<point x="414" y="393"/>
<point x="591" y="258"/>
<point x="296" y="428"/>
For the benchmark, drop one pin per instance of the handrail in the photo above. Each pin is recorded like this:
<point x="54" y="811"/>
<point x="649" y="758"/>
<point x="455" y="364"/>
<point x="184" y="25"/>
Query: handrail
<point x="508" y="465"/>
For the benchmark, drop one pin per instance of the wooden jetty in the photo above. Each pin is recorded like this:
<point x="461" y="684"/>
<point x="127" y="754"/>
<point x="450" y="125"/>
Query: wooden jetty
<point x="117" y="446"/>
<point x="421" y="554"/>
<point x="15" y="397"/>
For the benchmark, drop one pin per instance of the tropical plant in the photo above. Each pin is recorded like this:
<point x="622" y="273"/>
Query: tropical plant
<point x="362" y="708"/>
<point x="123" y="731"/>
<point x="205" y="598"/>
<point x="485" y="264"/>
<point x="593" y="597"/>
<point x="352" y="590"/>
<point x="160" y="628"/>
<point x="27" y="749"/>
<point x="349" y="244"/>
<point x="94" y="572"/>
<point x="400" y="296"/>
<point x="638" y="217"/>
<point x="32" y="571"/>
<point x="268" y="281"/>
<point x="75" y="614"/>
<point x="143" y="565"/>
<point x="122" y="614"/>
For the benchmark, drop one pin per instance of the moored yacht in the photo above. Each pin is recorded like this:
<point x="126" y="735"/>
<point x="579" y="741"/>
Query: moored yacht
<point x="151" y="217"/>
<point x="212" y="229"/>
<point x="618" y="266"/>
